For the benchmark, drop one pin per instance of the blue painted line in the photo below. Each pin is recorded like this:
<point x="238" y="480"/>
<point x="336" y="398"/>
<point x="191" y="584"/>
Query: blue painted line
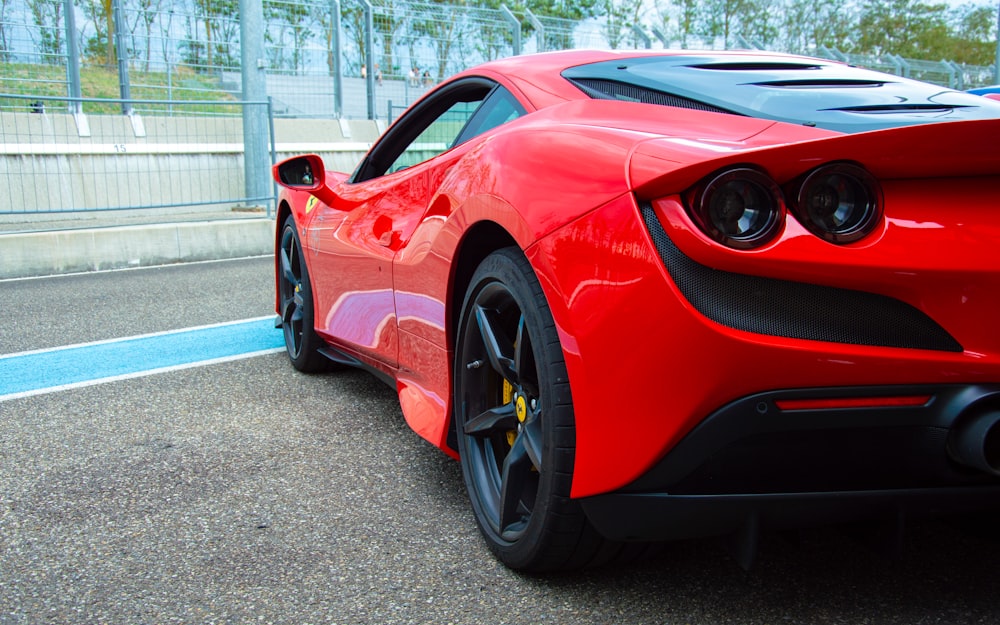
<point x="30" y="373"/>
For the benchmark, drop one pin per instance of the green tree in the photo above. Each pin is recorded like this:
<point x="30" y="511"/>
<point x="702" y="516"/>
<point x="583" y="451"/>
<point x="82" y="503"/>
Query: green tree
<point x="566" y="9"/>
<point x="441" y="24"/>
<point x="107" y="14"/>
<point x="143" y="14"/>
<point x="493" y="38"/>
<point x="687" y="19"/>
<point x="388" y="21"/>
<point x="809" y="24"/>
<point x="98" y="46"/>
<point x="324" y="17"/>
<point x="726" y="19"/>
<point x="4" y="44"/>
<point x="907" y="28"/>
<point x="974" y="35"/>
<point x="289" y="17"/>
<point x="758" y="22"/>
<point x="353" y="22"/>
<point x="47" y="16"/>
<point x="620" y="15"/>
<point x="220" y="29"/>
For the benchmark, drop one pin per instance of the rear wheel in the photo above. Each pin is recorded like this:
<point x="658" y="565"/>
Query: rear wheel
<point x="514" y="419"/>
<point x="296" y="305"/>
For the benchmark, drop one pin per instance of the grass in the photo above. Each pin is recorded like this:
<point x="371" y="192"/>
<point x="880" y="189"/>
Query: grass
<point x="29" y="81"/>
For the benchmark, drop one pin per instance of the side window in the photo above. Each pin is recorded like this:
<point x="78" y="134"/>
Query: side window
<point x="440" y="135"/>
<point x="499" y="108"/>
<point x="456" y="113"/>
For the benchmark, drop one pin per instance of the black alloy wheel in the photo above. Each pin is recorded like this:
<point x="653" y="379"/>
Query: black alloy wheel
<point x="514" y="418"/>
<point x="296" y="305"/>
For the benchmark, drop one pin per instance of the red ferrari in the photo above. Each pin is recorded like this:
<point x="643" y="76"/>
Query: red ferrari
<point x="647" y="296"/>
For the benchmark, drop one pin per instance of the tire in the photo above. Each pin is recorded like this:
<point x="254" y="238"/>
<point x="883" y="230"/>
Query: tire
<point x="296" y="304"/>
<point x="514" y="420"/>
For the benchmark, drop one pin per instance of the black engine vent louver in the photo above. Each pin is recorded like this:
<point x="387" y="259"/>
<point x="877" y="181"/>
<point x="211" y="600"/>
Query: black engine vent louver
<point x="609" y="89"/>
<point x="819" y="83"/>
<point x="756" y="66"/>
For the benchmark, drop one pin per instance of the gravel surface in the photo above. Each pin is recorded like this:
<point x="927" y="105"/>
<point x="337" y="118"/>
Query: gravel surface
<point x="245" y="492"/>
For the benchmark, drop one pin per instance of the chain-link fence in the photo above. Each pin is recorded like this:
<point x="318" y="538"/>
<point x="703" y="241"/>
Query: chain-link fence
<point x="165" y="117"/>
<point x="33" y="50"/>
<point x="317" y="52"/>
<point x="944" y="72"/>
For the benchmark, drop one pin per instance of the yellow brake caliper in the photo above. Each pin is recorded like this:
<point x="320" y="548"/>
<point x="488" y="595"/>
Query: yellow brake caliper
<point x="508" y="397"/>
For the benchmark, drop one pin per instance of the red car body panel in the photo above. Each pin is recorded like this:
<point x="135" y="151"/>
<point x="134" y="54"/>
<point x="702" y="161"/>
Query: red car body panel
<point x="645" y="367"/>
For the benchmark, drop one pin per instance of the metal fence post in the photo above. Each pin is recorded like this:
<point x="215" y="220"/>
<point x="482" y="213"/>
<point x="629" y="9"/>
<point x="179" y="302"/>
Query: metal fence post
<point x="515" y="27"/>
<point x="338" y="71"/>
<point x="662" y="37"/>
<point x="72" y="58"/>
<point x="996" y="65"/>
<point x="832" y="53"/>
<point x="369" y="63"/>
<point x="274" y="155"/>
<point x="122" y="53"/>
<point x="903" y="64"/>
<point x="952" y="75"/>
<point x="641" y="36"/>
<point x="255" y="123"/>
<point x="539" y="29"/>
<point x="959" y="74"/>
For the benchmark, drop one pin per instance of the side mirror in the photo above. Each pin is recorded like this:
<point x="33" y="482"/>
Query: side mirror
<point x="305" y="173"/>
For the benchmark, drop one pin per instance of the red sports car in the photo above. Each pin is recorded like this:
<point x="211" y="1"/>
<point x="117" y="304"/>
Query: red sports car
<point x="648" y="296"/>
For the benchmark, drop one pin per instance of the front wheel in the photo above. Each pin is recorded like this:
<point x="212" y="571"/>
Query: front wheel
<point x="514" y="419"/>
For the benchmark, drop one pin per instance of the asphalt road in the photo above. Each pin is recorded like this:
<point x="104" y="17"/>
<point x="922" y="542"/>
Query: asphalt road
<point x="244" y="492"/>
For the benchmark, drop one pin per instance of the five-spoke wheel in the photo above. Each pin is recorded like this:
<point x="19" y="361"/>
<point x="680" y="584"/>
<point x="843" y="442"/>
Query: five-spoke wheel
<point x="514" y="418"/>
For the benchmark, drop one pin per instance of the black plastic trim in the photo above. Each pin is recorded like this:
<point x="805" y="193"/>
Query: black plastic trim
<point x="796" y="310"/>
<point x="702" y="488"/>
<point x="341" y="357"/>
<point x="750" y="445"/>
<point x="655" y="516"/>
<point x="616" y="90"/>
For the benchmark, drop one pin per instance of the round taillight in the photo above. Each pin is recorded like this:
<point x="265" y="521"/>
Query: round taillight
<point x="839" y="203"/>
<point x="741" y="208"/>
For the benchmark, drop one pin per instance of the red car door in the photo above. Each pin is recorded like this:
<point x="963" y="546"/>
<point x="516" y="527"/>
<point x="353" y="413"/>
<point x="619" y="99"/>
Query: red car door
<point x="352" y="272"/>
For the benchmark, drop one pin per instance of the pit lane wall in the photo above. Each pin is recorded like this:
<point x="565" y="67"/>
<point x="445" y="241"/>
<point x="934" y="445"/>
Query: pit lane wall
<point x="59" y="162"/>
<point x="130" y="191"/>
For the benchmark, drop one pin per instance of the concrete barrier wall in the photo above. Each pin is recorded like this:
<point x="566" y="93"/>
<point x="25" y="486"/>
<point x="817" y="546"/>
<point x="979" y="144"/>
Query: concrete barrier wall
<point x="54" y="252"/>
<point x="56" y="162"/>
<point x="51" y="163"/>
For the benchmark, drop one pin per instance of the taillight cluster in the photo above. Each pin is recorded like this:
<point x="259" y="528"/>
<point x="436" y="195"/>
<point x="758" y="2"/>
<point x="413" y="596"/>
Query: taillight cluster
<point x="744" y="208"/>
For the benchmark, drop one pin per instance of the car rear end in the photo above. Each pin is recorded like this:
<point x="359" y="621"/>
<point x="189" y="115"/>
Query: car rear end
<point x="789" y="332"/>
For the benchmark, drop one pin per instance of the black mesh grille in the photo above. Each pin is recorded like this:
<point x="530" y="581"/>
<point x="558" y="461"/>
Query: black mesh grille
<point x="632" y="93"/>
<point x="796" y="309"/>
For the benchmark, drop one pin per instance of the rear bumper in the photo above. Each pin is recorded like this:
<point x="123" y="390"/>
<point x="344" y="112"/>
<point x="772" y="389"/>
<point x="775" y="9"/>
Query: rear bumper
<point x="798" y="458"/>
